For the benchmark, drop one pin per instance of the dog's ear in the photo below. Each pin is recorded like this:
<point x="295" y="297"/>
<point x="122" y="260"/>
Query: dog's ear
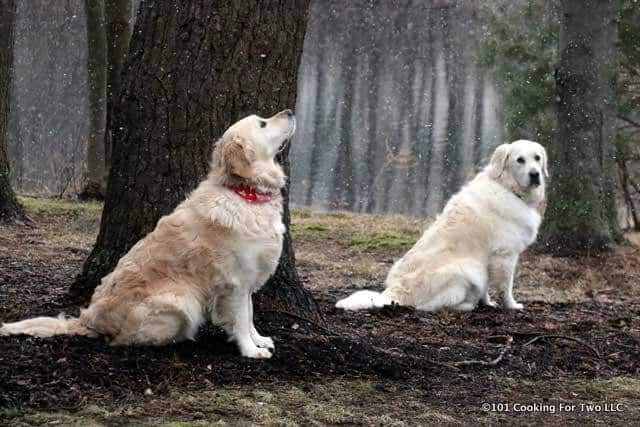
<point x="236" y="157"/>
<point x="545" y="170"/>
<point x="499" y="160"/>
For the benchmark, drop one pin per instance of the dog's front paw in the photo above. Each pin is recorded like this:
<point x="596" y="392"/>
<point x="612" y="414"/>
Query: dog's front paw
<point x="489" y="302"/>
<point x="255" y="352"/>
<point x="264" y="342"/>
<point x="512" y="305"/>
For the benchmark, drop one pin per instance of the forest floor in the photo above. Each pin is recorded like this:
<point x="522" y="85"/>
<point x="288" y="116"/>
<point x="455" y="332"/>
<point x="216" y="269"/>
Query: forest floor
<point x="393" y="366"/>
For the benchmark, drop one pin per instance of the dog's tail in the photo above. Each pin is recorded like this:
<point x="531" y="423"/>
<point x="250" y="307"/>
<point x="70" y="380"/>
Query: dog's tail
<point x="363" y="300"/>
<point x="43" y="327"/>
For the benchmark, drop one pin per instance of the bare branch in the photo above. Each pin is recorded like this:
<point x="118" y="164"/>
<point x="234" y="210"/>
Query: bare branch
<point x="564" y="337"/>
<point x="493" y="362"/>
<point x="628" y="120"/>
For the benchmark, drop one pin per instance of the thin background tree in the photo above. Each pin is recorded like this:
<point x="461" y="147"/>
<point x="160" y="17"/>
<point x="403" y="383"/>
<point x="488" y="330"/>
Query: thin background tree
<point x="10" y="210"/>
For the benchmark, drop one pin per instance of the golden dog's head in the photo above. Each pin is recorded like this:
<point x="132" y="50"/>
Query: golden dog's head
<point x="246" y="152"/>
<point x="520" y="166"/>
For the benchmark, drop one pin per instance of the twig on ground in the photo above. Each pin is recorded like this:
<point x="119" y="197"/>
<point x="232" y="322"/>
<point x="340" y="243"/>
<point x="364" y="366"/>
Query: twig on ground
<point x="414" y="358"/>
<point x="564" y="337"/>
<point x="494" y="362"/>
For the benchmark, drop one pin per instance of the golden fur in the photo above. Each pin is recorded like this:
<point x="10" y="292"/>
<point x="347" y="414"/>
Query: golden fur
<point x="206" y="258"/>
<point x="476" y="240"/>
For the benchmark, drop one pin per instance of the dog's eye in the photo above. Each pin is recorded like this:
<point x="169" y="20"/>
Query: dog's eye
<point x="536" y="158"/>
<point x="521" y="160"/>
<point x="263" y="124"/>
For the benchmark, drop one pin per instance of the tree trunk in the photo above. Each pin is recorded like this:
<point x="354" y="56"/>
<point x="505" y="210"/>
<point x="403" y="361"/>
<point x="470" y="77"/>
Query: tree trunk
<point x="118" y="28"/>
<point x="194" y="68"/>
<point x="434" y="94"/>
<point x="375" y="149"/>
<point x="624" y="183"/>
<point x="15" y="149"/>
<point x="10" y="209"/>
<point x="94" y="186"/>
<point x="478" y="119"/>
<point x="455" y="67"/>
<point x="342" y="174"/>
<point x="581" y="216"/>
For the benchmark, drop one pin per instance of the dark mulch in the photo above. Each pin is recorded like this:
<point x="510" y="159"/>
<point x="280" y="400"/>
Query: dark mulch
<point x="392" y="344"/>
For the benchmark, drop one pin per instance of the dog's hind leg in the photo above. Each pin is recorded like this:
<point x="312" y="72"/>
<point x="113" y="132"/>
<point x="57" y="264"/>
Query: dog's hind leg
<point x="161" y="319"/>
<point x="451" y="291"/>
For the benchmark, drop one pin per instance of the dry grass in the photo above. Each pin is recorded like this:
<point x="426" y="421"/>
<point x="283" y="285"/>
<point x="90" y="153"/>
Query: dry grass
<point x="330" y="403"/>
<point x="337" y="247"/>
<point x="362" y="232"/>
<point x="605" y="279"/>
<point x="64" y="223"/>
<point x="611" y="389"/>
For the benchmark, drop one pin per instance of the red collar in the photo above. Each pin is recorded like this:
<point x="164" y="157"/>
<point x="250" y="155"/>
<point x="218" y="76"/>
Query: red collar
<point x="250" y="194"/>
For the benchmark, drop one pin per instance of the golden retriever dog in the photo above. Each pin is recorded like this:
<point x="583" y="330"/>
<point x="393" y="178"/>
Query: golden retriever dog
<point x="476" y="241"/>
<point x="207" y="258"/>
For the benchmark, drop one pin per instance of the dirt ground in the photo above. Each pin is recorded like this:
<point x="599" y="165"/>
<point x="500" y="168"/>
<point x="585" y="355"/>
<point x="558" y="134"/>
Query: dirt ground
<point x="571" y="357"/>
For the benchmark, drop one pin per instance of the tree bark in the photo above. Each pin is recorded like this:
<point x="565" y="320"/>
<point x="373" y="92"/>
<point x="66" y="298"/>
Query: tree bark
<point x="94" y="186"/>
<point x="10" y="209"/>
<point x="343" y="173"/>
<point x="479" y="117"/>
<point x="455" y="67"/>
<point x="581" y="217"/>
<point x="118" y="32"/>
<point x="194" y="68"/>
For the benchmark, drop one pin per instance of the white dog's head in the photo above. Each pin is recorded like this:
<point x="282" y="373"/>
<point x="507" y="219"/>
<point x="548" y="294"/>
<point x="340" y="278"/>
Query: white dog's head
<point x="520" y="166"/>
<point x="246" y="152"/>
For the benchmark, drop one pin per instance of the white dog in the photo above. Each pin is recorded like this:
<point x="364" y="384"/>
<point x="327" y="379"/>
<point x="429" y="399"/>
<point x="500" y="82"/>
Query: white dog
<point x="208" y="257"/>
<point x="476" y="240"/>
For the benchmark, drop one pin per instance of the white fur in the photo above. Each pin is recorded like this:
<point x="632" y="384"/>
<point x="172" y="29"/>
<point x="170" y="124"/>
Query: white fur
<point x="363" y="299"/>
<point x="475" y="242"/>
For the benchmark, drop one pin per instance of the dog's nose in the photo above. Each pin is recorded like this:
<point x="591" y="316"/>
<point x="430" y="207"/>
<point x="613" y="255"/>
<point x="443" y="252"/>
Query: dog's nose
<point x="534" y="176"/>
<point x="288" y="112"/>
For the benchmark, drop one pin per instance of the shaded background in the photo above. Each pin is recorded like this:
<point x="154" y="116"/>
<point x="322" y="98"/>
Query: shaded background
<point x="395" y="107"/>
<point x="399" y="101"/>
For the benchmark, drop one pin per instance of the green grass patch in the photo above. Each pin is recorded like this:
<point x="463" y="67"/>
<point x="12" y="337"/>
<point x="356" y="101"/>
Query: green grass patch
<point x="381" y="241"/>
<point x="309" y="230"/>
<point x="360" y="232"/>
<point x="44" y="206"/>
